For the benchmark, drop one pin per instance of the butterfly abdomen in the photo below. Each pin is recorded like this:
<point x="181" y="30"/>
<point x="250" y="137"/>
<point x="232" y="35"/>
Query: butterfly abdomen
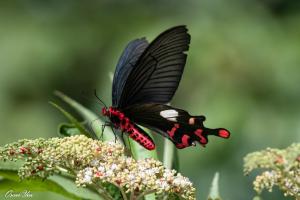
<point x="139" y="135"/>
<point x="125" y="125"/>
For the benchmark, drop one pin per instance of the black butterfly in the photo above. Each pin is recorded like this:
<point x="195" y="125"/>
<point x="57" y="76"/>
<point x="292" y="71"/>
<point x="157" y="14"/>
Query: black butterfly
<point x="146" y="78"/>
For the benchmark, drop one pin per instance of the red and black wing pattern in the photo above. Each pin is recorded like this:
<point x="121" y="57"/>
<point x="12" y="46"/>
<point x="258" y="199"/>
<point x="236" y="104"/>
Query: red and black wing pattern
<point x="158" y="70"/>
<point x="126" y="63"/>
<point x="176" y="124"/>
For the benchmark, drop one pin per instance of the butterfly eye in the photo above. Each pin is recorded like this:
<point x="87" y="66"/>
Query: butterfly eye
<point x="121" y="116"/>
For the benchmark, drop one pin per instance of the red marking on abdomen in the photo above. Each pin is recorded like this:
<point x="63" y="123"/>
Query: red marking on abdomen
<point x="223" y="133"/>
<point x="124" y="123"/>
<point x="140" y="137"/>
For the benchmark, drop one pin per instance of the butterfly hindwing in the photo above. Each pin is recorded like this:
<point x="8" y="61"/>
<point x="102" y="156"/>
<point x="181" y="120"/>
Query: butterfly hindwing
<point x="158" y="70"/>
<point x="175" y="124"/>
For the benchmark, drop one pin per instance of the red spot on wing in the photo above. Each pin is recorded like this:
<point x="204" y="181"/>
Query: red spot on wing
<point x="192" y="121"/>
<point x="180" y="146"/>
<point x="173" y="130"/>
<point x="199" y="132"/>
<point x="223" y="133"/>
<point x="185" y="140"/>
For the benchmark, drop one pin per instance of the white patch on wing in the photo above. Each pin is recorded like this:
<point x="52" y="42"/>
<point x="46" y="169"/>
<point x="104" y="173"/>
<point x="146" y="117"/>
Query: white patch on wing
<point x="172" y="119"/>
<point x="169" y="114"/>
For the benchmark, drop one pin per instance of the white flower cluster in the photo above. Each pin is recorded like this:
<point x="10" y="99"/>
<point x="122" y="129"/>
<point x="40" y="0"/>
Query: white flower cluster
<point x="283" y="169"/>
<point x="143" y="176"/>
<point x="95" y="162"/>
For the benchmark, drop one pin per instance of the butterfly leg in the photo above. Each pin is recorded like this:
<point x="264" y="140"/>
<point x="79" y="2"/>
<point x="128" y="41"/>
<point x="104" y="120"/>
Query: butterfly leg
<point x="123" y="139"/>
<point x="113" y="130"/>
<point x="102" y="130"/>
<point x="105" y="125"/>
<point x="91" y="129"/>
<point x="122" y="136"/>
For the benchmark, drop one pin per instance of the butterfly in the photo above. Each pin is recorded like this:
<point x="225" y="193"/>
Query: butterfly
<point x="145" y="80"/>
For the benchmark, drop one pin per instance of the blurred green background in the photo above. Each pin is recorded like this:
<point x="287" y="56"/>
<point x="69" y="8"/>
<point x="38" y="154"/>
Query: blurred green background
<point x="242" y="72"/>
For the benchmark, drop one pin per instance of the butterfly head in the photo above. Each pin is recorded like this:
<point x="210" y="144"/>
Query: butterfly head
<point x="105" y="111"/>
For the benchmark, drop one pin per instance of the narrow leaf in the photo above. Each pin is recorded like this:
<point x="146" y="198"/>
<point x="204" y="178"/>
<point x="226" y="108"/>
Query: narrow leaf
<point x="170" y="158"/>
<point x="69" y="184"/>
<point x="214" y="189"/>
<point x="94" y="120"/>
<point x="11" y="180"/>
<point x="72" y="119"/>
<point x="66" y="129"/>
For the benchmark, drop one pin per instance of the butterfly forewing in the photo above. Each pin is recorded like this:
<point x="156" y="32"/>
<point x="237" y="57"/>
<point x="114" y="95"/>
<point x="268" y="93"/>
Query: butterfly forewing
<point x="157" y="72"/>
<point x="127" y="62"/>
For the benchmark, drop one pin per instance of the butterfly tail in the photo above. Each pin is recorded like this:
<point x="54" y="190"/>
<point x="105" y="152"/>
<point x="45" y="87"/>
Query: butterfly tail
<point x="201" y="134"/>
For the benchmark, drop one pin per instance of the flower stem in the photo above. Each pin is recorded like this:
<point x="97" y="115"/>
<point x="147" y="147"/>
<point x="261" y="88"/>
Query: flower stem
<point x="140" y="196"/>
<point x="124" y="196"/>
<point x="102" y="192"/>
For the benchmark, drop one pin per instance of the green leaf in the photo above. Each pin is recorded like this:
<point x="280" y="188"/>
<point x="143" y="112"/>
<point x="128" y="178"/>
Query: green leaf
<point x="11" y="180"/>
<point x="67" y="129"/>
<point x="72" y="119"/>
<point x="70" y="186"/>
<point x="150" y="197"/>
<point x="96" y="122"/>
<point x="257" y="198"/>
<point x="113" y="190"/>
<point x="11" y="165"/>
<point x="214" y="189"/>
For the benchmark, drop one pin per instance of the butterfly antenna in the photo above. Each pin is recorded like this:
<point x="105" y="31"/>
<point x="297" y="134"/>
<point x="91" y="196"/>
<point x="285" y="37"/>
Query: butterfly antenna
<point x="99" y="99"/>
